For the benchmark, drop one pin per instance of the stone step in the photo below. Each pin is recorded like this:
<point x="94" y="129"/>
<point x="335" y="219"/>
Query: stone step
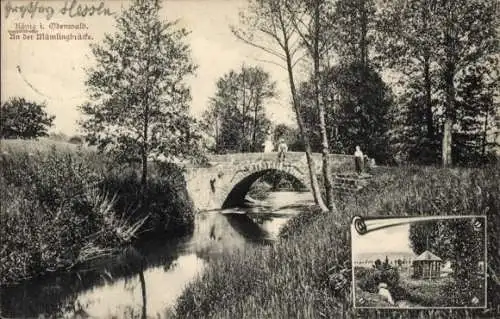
<point x="350" y="182"/>
<point x="347" y="189"/>
<point x="345" y="181"/>
<point x="353" y="175"/>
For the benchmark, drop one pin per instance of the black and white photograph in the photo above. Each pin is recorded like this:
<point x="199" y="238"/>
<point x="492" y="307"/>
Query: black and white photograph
<point x="249" y="159"/>
<point x="418" y="263"/>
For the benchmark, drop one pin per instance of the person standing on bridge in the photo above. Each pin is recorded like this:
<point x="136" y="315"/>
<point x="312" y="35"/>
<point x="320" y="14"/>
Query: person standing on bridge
<point x="268" y="146"/>
<point x="359" y="159"/>
<point x="282" y="149"/>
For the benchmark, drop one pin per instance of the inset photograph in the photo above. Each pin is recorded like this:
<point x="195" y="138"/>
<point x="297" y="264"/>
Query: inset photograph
<point x="419" y="262"/>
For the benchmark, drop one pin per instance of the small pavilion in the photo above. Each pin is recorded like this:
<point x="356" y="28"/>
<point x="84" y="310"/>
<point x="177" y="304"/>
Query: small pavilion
<point x="427" y="266"/>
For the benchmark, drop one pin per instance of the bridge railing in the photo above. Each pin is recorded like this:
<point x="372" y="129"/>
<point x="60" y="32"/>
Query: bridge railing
<point x="290" y="156"/>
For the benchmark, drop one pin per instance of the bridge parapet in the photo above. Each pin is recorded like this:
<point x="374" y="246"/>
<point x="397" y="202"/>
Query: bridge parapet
<point x="238" y="158"/>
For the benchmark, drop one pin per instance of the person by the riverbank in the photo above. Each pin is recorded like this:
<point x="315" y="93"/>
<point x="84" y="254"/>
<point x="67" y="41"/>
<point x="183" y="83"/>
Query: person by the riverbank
<point x="385" y="293"/>
<point x="359" y="159"/>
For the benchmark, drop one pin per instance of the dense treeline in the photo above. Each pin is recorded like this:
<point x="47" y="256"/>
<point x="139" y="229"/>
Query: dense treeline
<point x="445" y="99"/>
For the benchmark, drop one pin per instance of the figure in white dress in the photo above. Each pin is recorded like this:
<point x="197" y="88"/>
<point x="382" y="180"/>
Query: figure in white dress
<point x="268" y="146"/>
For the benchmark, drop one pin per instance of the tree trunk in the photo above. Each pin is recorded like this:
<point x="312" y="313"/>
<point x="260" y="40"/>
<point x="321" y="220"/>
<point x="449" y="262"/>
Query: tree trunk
<point x="243" y="114"/>
<point x="254" y="135"/>
<point x="485" y="134"/>
<point x="362" y="41"/>
<point x="325" y="149"/>
<point x="449" y="74"/>
<point x="427" y="78"/>
<point x="428" y="98"/>
<point x="448" y="123"/>
<point x="144" y="155"/>
<point x="144" y="295"/>
<point x="305" y="138"/>
<point x="446" y="147"/>
<point x="217" y="142"/>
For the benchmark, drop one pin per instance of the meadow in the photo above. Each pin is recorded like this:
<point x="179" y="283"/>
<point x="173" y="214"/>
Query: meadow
<point x="307" y="273"/>
<point x="64" y="205"/>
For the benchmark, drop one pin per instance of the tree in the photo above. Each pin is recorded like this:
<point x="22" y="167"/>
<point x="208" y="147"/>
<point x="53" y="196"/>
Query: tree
<point x="24" y="119"/>
<point x="405" y="41"/>
<point x="386" y="264"/>
<point x="268" y="25"/>
<point x="469" y="35"/>
<point x="353" y="30"/>
<point x="236" y="116"/>
<point x="364" y="104"/>
<point x="357" y="104"/>
<point x="475" y="112"/>
<point x="409" y="135"/>
<point x="311" y="118"/>
<point x="138" y="108"/>
<point x="311" y="20"/>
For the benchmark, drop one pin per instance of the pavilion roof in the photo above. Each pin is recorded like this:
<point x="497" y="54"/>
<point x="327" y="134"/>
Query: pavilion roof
<point x="428" y="256"/>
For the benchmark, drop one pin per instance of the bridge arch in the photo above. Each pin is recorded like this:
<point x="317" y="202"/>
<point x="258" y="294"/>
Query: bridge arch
<point x="236" y="189"/>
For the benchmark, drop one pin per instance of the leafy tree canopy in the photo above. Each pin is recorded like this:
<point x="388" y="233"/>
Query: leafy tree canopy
<point x="358" y="104"/>
<point x="20" y="118"/>
<point x="236" y="118"/>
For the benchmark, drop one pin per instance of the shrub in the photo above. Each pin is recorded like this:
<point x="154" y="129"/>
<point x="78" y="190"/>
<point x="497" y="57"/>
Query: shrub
<point x="75" y="140"/>
<point x="300" y="222"/>
<point x="165" y="205"/>
<point x="368" y="278"/>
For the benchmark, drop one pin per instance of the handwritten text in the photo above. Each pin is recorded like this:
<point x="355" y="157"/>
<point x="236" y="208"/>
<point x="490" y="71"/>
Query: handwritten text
<point x="71" y="8"/>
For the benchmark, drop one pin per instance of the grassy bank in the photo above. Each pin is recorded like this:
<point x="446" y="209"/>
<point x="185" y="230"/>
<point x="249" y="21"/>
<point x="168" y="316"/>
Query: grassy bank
<point x="62" y="205"/>
<point x="307" y="274"/>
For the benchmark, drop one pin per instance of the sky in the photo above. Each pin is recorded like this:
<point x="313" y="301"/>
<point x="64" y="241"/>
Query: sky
<point x="54" y="71"/>
<point x="385" y="240"/>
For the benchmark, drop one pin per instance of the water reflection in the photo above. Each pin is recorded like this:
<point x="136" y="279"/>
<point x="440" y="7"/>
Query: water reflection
<point x="151" y="291"/>
<point x="145" y="280"/>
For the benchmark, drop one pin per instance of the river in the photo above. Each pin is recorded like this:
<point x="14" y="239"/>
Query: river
<point x="120" y="288"/>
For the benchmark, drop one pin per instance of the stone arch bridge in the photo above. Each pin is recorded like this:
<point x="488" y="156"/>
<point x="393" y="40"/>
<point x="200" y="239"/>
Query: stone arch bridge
<point x="225" y="181"/>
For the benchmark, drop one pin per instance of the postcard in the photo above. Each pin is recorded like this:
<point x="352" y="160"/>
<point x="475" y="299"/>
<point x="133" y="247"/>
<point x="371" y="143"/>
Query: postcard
<point x="205" y="159"/>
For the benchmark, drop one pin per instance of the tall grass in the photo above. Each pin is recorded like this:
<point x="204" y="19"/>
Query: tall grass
<point x="62" y="205"/>
<point x="307" y="273"/>
<point x="50" y="214"/>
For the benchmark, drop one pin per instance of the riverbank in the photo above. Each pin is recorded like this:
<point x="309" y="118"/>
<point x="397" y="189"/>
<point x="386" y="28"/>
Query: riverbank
<point x="308" y="274"/>
<point x="64" y="205"/>
<point x="145" y="279"/>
